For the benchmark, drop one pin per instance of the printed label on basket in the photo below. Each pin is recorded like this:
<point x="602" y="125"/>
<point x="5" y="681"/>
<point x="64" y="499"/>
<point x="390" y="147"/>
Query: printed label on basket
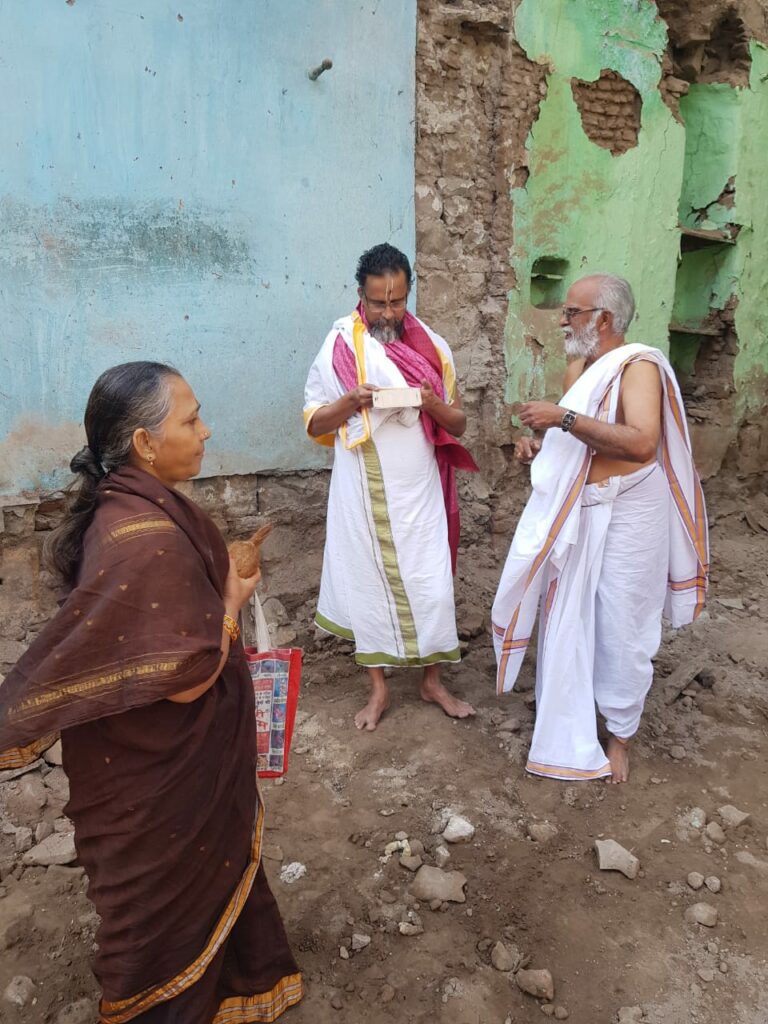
<point x="270" y="687"/>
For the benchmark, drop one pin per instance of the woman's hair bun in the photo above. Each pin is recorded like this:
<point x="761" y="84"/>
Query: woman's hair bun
<point x="85" y="463"/>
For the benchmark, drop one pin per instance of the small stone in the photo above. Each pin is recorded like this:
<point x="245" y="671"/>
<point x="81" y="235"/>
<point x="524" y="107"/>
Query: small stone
<point x="504" y="959"/>
<point x="630" y="1015"/>
<point x="706" y="974"/>
<point x="458" y="830"/>
<point x="697" y="817"/>
<point x="561" y="1013"/>
<point x="677" y="752"/>
<point x="433" y="883"/>
<point x="408" y="928"/>
<point x="611" y="856"/>
<point x="292" y="872"/>
<point x="19" y="991"/>
<point x="435" y="905"/>
<point x="411" y="863"/>
<point x="536" y="983"/>
<point x="23" y="839"/>
<point x="273" y="852"/>
<point x="732" y="816"/>
<point x="715" y="832"/>
<point x="386" y="812"/>
<point x="542" y="831"/>
<point x="702" y="913"/>
<point x="723" y="967"/>
<point x="43" y="829"/>
<point x="548" y="1010"/>
<point x="82" y="1012"/>
<point x="360" y="941"/>
<point x="343" y="952"/>
<point x="57" y="782"/>
<point x="387" y="994"/>
<point x="442" y="856"/>
<point x="713" y="883"/>
<point x="417" y="847"/>
<point x="695" y="880"/>
<point x="53" y="754"/>
<point x="58" y="848"/>
<point x="337" y="1002"/>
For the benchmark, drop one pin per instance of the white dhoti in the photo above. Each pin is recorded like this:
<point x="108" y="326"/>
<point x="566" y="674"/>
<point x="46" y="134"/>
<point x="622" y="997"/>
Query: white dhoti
<point x="603" y="562"/>
<point x="387" y="583"/>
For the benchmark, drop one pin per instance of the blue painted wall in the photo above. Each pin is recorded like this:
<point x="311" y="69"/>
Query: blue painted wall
<point x="173" y="186"/>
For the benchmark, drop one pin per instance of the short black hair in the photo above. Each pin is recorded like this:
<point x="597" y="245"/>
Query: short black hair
<point x="382" y="259"/>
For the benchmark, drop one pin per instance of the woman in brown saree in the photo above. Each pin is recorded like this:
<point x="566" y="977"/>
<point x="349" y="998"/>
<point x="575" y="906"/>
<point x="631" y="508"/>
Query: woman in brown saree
<point x="143" y="673"/>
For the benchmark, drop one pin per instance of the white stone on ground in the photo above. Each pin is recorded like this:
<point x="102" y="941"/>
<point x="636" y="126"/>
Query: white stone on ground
<point x="292" y="872"/>
<point x="458" y="830"/>
<point x="19" y="991"/>
<point x="536" y="983"/>
<point x="435" y="884"/>
<point x="732" y="816"/>
<point x="702" y="913"/>
<point x="611" y="856"/>
<point x="58" y="848"/>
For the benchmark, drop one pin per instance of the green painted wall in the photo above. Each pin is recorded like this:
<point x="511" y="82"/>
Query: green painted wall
<point x="581" y="203"/>
<point x="583" y="209"/>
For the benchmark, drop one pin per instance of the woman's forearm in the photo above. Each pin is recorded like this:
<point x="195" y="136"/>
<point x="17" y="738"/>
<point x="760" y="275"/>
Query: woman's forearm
<point x="187" y="696"/>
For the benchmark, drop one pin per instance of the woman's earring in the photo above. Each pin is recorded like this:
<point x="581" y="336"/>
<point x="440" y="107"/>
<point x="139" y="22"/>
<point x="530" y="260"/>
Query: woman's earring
<point x="151" y="459"/>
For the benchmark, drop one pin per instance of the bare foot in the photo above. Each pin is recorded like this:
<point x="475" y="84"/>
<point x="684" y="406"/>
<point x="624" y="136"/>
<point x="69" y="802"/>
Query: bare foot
<point x="617" y="751"/>
<point x="378" y="703"/>
<point x="433" y="692"/>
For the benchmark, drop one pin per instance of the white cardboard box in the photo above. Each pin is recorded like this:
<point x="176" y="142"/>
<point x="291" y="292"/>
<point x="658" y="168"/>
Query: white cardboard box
<point x="396" y="398"/>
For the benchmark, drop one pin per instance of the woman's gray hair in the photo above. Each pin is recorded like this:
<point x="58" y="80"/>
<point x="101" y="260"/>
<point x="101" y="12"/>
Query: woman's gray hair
<point x="614" y="294"/>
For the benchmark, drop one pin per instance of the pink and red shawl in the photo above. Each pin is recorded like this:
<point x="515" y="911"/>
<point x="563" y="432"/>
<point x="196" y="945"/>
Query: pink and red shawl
<point x="418" y="360"/>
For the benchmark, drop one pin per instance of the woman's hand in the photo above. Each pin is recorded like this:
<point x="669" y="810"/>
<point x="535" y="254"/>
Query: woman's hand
<point x="526" y="450"/>
<point x="237" y="591"/>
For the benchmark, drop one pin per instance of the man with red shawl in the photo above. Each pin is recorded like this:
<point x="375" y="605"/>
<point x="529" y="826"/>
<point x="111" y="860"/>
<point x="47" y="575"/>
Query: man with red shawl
<point x="393" y="516"/>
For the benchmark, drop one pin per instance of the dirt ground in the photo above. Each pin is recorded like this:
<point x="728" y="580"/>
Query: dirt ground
<point x="610" y="943"/>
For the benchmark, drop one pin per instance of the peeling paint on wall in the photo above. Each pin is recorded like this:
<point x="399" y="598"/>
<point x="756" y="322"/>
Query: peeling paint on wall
<point x="582" y="206"/>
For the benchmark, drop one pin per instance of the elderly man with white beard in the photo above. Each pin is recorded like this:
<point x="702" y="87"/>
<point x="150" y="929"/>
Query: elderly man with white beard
<point x="613" y="536"/>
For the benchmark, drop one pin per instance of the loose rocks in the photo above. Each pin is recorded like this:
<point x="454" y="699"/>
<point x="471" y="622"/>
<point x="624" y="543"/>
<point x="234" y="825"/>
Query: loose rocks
<point x="458" y="830"/>
<point x="19" y="991"/>
<point x="58" y="848"/>
<point x="434" y="884"/>
<point x="732" y="816"/>
<point x="695" y="880"/>
<point x="81" y="1012"/>
<point x="504" y="959"/>
<point x="442" y="856"/>
<point x="611" y="856"/>
<point x="536" y="983"/>
<point x="702" y="913"/>
<point x="715" y="832"/>
<point x="360" y="941"/>
<point x="542" y="831"/>
<point x="713" y="883"/>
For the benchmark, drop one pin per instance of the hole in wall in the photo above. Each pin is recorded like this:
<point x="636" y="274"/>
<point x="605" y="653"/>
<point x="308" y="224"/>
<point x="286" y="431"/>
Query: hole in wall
<point x="706" y="50"/>
<point x="610" y="110"/>
<point x="548" y="277"/>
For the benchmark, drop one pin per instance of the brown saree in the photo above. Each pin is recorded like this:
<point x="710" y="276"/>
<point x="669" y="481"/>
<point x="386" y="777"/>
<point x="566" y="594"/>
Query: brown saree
<point x="168" y="819"/>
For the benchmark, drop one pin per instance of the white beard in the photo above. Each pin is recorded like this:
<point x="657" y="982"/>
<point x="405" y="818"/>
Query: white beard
<point x="582" y="344"/>
<point x="386" y="333"/>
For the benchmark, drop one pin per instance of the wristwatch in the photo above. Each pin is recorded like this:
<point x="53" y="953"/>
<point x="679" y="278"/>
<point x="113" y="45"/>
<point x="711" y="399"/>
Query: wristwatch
<point x="569" y="418"/>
